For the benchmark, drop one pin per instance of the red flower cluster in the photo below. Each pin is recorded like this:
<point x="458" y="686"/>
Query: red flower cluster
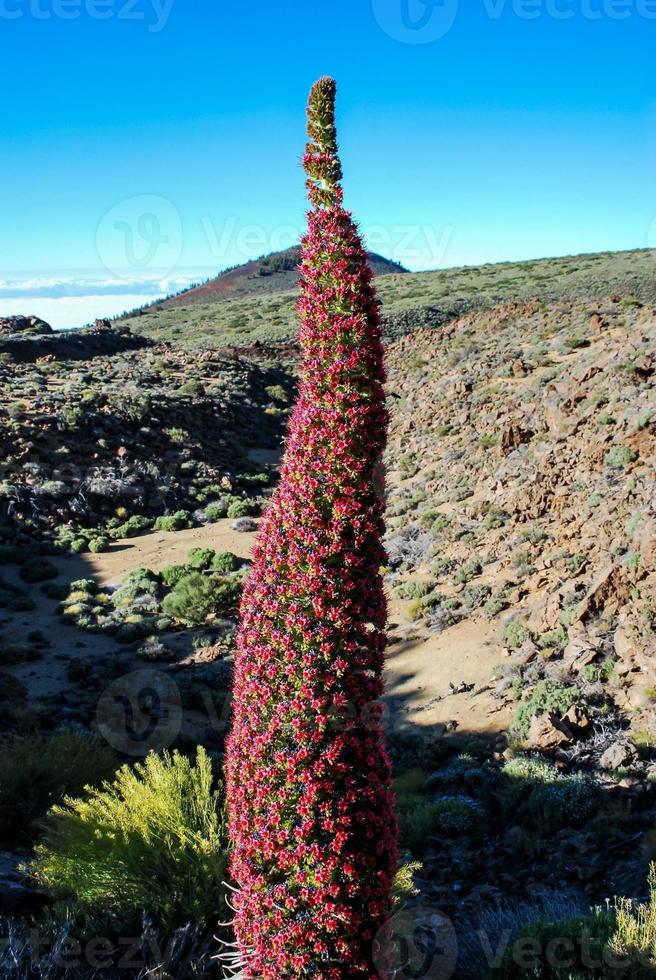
<point x="310" y="805"/>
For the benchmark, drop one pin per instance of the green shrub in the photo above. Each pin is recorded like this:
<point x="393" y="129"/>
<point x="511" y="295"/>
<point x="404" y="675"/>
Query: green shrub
<point x="620" y="457"/>
<point x="553" y="640"/>
<point x="243" y="508"/>
<point x="171" y="574"/>
<point x="225" y="561"/>
<point x="497" y="602"/>
<point x="133" y="628"/>
<point x="217" y="510"/>
<point x="470" y="570"/>
<point x="538" y="796"/>
<point x="419" y="815"/>
<point x="99" y="545"/>
<point x="132" y="527"/>
<point x="201" y="558"/>
<point x="514" y="634"/>
<point x="635" y="931"/>
<point x="495" y="518"/>
<point x="416" y="821"/>
<point x="55" y="590"/>
<point x="139" y="582"/>
<point x="152" y="839"/>
<point x="193" y="387"/>
<point x="548" y="697"/>
<point x="278" y="393"/>
<point x="179" y="521"/>
<point x="598" y="673"/>
<point x="37" y="771"/>
<point x="38" y="570"/>
<point x="404" y="883"/>
<point x="559" y="950"/>
<point x="456" y="815"/>
<point x="87" y="585"/>
<point x="196" y="596"/>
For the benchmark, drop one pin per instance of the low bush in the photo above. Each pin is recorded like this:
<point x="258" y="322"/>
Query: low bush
<point x="217" y="510"/>
<point x="196" y="596"/>
<point x="225" y="561"/>
<point x="618" y="941"/>
<point x="536" y="795"/>
<point x="243" y="508"/>
<point x="620" y="457"/>
<point x="548" y="697"/>
<point x="171" y="574"/>
<point x="38" y="570"/>
<point x="153" y="840"/>
<point x="553" y="640"/>
<point x="37" y="771"/>
<point x="561" y="950"/>
<point x="201" y="558"/>
<point x="99" y="545"/>
<point x="131" y="528"/>
<point x="635" y="931"/>
<point x="470" y="570"/>
<point x="455" y="815"/>
<point x="179" y="521"/>
<point x="514" y="634"/>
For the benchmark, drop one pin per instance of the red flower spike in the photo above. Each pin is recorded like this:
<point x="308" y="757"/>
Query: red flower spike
<point x="311" y="811"/>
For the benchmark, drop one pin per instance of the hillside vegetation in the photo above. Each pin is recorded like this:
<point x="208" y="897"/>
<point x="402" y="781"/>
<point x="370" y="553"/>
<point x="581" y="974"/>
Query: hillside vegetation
<point x="198" y="319"/>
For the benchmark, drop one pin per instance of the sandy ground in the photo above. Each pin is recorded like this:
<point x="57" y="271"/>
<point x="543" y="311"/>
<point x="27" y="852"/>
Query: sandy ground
<point x="420" y="669"/>
<point x="160" y="548"/>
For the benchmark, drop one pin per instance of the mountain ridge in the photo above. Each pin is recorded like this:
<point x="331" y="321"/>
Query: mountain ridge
<point x="274" y="272"/>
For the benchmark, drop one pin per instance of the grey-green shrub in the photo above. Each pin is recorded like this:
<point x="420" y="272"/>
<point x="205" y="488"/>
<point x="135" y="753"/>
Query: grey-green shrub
<point x="548" y="697"/>
<point x="179" y="521"/>
<point x="196" y="596"/>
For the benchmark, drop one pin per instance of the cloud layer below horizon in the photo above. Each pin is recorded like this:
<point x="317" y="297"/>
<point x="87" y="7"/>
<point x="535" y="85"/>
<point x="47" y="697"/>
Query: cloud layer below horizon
<point x="70" y="301"/>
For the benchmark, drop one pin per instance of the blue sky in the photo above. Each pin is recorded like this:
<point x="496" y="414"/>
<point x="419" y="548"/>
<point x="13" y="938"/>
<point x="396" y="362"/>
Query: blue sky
<point x="147" y="142"/>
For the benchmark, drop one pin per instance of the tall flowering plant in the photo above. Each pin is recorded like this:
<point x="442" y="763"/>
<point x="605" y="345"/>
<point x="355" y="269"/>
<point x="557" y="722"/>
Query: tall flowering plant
<point x="311" y="810"/>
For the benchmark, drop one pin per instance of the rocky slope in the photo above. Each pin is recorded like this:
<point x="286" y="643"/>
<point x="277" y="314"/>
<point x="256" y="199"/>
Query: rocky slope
<point x="147" y="430"/>
<point x="521" y="678"/>
<point x="522" y="462"/>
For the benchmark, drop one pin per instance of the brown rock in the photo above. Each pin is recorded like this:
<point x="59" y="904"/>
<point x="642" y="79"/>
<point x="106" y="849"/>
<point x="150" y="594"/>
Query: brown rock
<point x="548" y="732"/>
<point x="618" y="754"/>
<point x="596" y="324"/>
<point x="557" y="421"/>
<point x="585" y="658"/>
<point x="626" y="641"/>
<point x="578" y="720"/>
<point x="527" y="652"/>
<point x="603" y="586"/>
<point x="545" y="614"/>
<point x="513" y="436"/>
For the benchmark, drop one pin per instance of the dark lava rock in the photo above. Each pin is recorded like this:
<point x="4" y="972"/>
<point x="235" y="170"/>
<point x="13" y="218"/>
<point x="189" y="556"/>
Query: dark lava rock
<point x="24" y="326"/>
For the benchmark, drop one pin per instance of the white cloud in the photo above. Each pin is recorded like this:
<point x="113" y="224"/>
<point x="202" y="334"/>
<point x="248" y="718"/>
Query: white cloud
<point x="69" y="312"/>
<point x="70" y="301"/>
